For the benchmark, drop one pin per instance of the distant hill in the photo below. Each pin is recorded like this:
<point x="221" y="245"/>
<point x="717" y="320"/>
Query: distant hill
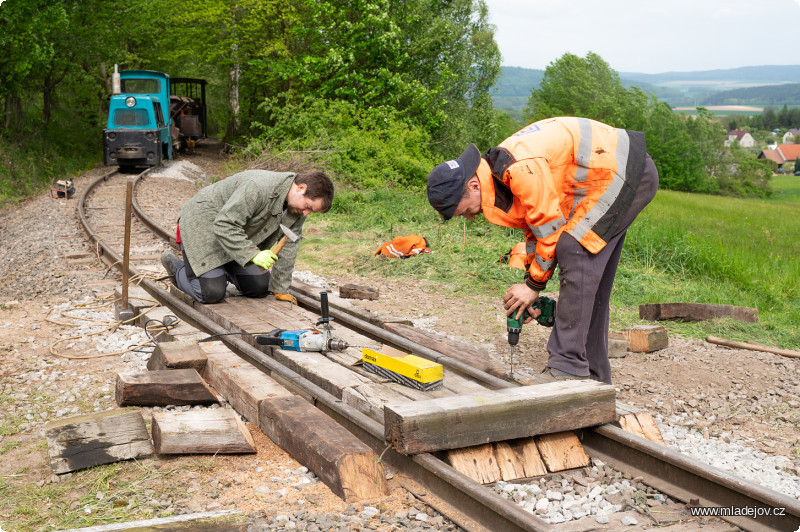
<point x="754" y="85"/>
<point x="771" y="95"/>
<point x="761" y="75"/>
<point x="514" y="86"/>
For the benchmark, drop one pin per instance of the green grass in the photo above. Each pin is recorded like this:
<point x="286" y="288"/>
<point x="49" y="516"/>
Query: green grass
<point x="682" y="248"/>
<point x="101" y="495"/>
<point x="35" y="167"/>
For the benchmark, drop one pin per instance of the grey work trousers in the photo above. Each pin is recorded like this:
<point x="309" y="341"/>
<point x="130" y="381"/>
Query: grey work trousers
<point x="578" y="344"/>
<point x="251" y="281"/>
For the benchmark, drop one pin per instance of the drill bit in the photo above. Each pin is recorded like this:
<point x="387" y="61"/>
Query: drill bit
<point x="512" y="362"/>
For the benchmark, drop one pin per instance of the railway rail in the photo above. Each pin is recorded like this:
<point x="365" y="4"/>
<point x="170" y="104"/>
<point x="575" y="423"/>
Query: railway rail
<point x="471" y="505"/>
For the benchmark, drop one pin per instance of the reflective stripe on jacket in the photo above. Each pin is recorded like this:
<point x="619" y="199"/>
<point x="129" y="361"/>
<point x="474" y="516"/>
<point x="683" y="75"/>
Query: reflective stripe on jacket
<point x="561" y="174"/>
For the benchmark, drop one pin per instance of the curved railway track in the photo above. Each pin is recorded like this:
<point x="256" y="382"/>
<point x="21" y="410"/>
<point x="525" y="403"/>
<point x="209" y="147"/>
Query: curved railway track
<point x="101" y="209"/>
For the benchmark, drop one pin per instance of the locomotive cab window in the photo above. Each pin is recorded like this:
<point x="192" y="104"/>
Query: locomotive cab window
<point x="159" y="115"/>
<point x="130" y="117"/>
<point x="141" y="86"/>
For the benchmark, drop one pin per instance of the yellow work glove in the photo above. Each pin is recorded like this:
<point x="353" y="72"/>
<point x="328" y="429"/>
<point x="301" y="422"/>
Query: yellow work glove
<point x="286" y="297"/>
<point x="265" y="259"/>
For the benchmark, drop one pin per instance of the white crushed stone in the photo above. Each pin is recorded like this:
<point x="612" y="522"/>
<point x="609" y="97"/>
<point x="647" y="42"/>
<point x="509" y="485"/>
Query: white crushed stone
<point x="311" y="279"/>
<point x="602" y="492"/>
<point x="185" y="170"/>
<point x="734" y="456"/>
<point x="114" y="340"/>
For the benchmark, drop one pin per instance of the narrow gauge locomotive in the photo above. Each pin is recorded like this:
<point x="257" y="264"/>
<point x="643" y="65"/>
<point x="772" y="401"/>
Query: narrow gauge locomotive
<point x="151" y="117"/>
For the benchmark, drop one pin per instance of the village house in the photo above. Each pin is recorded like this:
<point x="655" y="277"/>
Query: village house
<point x="791" y="136"/>
<point x="744" y="138"/>
<point x="781" y="154"/>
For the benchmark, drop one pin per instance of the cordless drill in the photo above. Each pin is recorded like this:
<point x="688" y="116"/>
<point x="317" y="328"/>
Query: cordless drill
<point x="547" y="318"/>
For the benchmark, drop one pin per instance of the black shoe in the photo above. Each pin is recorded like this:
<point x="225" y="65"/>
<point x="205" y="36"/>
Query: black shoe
<point x="553" y="374"/>
<point x="172" y="264"/>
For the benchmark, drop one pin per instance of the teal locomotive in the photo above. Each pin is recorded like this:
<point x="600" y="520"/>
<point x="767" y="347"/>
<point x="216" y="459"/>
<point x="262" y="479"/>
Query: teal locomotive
<point x="151" y="117"/>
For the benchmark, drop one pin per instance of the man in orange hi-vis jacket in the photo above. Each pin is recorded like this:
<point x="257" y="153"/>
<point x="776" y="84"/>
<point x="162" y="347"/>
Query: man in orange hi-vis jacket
<point x="574" y="185"/>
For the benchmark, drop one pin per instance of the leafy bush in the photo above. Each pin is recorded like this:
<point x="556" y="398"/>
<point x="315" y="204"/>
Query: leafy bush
<point x="749" y="179"/>
<point x="25" y="170"/>
<point x="367" y="148"/>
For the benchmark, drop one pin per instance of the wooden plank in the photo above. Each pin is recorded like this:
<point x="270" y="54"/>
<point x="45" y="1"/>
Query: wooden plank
<point x="371" y="398"/>
<point x="354" y="291"/>
<point x="101" y="438"/>
<point x="451" y="348"/>
<point x="343" y="462"/>
<point x="243" y="385"/>
<point x="181" y="354"/>
<point x="337" y="303"/>
<point x="646" y="338"/>
<point x="162" y="388"/>
<point x="630" y="424"/>
<point x="561" y="451"/>
<point x="625" y="408"/>
<point x="453" y="382"/>
<point x="208" y="431"/>
<point x="472" y="419"/>
<point x="217" y="521"/>
<point x="519" y="459"/>
<point x="649" y="427"/>
<point x="695" y="312"/>
<point x="317" y="368"/>
<point x="477" y="462"/>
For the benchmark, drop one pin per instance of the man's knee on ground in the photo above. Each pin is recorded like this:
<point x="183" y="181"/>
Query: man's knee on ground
<point x="213" y="290"/>
<point x="254" y="285"/>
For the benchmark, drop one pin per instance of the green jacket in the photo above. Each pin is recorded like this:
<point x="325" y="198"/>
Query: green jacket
<point x="234" y="219"/>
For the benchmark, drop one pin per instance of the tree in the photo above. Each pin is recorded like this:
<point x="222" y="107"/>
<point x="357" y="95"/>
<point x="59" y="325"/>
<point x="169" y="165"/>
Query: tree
<point x="26" y="46"/>
<point x="687" y="151"/>
<point x="573" y="86"/>
<point x="769" y="118"/>
<point x="434" y="62"/>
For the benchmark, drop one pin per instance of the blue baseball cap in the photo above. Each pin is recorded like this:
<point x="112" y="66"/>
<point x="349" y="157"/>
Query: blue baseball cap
<point x="446" y="181"/>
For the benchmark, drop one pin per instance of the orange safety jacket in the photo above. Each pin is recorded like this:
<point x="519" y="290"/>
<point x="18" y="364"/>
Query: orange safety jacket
<point x="515" y="258"/>
<point x="404" y="247"/>
<point x="561" y="174"/>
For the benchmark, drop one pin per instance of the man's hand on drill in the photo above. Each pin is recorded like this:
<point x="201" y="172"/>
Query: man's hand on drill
<point x="518" y="298"/>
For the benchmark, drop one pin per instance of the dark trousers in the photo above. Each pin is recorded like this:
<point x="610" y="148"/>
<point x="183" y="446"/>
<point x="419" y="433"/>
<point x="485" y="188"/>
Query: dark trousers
<point x="251" y="281"/>
<point x="579" y="341"/>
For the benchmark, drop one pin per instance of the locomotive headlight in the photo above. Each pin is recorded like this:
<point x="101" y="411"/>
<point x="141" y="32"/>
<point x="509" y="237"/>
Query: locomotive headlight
<point x="150" y="135"/>
<point x="130" y="101"/>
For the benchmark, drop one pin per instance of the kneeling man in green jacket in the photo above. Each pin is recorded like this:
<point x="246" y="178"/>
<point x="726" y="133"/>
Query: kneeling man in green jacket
<point x="227" y="229"/>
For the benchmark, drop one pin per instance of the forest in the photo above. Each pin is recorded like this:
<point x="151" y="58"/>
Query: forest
<point x="378" y="91"/>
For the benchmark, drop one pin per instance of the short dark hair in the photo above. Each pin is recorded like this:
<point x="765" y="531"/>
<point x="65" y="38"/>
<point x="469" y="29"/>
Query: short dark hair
<point x="318" y="185"/>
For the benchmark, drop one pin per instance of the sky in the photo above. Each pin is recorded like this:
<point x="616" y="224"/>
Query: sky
<point x="649" y="36"/>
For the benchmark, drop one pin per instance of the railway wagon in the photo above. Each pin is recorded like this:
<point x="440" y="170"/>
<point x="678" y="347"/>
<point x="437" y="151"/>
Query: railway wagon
<point x="152" y="117"/>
